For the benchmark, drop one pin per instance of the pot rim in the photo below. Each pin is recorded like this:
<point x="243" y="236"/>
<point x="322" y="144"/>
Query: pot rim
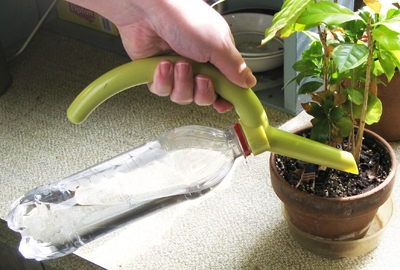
<point x="389" y="179"/>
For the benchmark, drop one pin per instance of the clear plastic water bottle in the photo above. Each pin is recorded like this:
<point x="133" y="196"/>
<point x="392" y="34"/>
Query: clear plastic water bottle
<point x="184" y="163"/>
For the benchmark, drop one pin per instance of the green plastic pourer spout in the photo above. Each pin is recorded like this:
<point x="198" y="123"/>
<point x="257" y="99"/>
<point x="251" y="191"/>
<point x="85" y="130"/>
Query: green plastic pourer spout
<point x="260" y="135"/>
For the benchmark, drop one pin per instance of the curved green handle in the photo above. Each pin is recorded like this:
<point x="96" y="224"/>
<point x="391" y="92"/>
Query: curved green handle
<point x="252" y="115"/>
<point x="260" y="135"/>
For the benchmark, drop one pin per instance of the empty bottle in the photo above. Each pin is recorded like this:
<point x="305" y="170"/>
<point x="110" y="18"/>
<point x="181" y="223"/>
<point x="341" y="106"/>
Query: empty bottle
<point x="184" y="163"/>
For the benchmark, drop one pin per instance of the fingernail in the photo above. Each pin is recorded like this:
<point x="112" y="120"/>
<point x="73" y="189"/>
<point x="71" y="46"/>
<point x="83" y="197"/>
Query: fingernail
<point x="251" y="80"/>
<point x="182" y="69"/>
<point x="165" y="67"/>
<point x="202" y="83"/>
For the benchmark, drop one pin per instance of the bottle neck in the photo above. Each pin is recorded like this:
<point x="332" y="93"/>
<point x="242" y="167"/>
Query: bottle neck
<point x="238" y="141"/>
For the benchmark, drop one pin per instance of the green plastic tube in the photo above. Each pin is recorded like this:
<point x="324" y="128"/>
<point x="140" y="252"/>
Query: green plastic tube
<point x="260" y="135"/>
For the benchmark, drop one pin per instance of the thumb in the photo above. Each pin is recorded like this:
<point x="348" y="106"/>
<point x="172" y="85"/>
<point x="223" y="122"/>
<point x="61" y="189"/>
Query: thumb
<point x="233" y="66"/>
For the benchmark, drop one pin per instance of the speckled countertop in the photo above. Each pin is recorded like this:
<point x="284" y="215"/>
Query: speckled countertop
<point x="239" y="225"/>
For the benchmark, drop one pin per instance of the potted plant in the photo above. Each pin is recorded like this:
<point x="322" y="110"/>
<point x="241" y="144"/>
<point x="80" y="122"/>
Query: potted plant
<point x="340" y="71"/>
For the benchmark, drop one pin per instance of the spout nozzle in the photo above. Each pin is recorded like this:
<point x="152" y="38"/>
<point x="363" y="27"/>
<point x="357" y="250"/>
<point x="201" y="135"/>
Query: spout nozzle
<point x="298" y="147"/>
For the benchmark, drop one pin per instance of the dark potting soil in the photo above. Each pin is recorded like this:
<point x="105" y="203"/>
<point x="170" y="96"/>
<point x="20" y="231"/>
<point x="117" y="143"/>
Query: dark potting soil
<point x="374" y="168"/>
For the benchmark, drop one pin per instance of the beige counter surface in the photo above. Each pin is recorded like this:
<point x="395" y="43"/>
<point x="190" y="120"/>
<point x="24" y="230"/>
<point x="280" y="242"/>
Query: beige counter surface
<point x="239" y="225"/>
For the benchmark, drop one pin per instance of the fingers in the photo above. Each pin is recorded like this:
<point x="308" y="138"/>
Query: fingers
<point x="221" y="105"/>
<point x="174" y="81"/>
<point x="183" y="92"/>
<point x="204" y="93"/>
<point x="178" y="82"/>
<point x="163" y="79"/>
<point x="233" y="66"/>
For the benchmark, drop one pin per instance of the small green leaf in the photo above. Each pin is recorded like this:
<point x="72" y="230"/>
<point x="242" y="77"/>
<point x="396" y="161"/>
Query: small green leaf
<point x="316" y="111"/>
<point x="285" y="19"/>
<point x="374" y="110"/>
<point x="349" y="56"/>
<point x="325" y="12"/>
<point x="386" y="63"/>
<point x="378" y="70"/>
<point x="355" y="95"/>
<point x="306" y="68"/>
<point x="337" y="113"/>
<point x="320" y="131"/>
<point x="309" y="87"/>
<point x="354" y="29"/>
<point x="392" y="23"/>
<point x="393" y="13"/>
<point x="304" y="65"/>
<point x="299" y="78"/>
<point x="315" y="51"/>
<point x="387" y="38"/>
<point x="329" y="103"/>
<point x="395" y="56"/>
<point x="344" y="125"/>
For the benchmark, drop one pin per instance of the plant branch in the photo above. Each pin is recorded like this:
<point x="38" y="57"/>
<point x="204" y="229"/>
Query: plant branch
<point x="360" y="133"/>
<point x="322" y="37"/>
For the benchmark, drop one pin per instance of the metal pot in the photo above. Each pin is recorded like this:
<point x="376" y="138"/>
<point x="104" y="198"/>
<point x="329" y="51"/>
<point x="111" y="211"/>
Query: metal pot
<point x="248" y="31"/>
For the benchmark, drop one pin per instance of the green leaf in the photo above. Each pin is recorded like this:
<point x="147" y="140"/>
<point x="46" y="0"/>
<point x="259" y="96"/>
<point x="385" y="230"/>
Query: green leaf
<point x="392" y="13"/>
<point x="320" y="131"/>
<point x="335" y="77"/>
<point x="395" y="54"/>
<point x="355" y="95"/>
<point x="299" y="78"/>
<point x="329" y="103"/>
<point x="304" y="65"/>
<point x="285" y="19"/>
<point x="354" y="29"/>
<point x="392" y="23"/>
<point x="386" y="63"/>
<point x="378" y="70"/>
<point x="349" y="56"/>
<point x="315" y="51"/>
<point x="388" y="39"/>
<point x="306" y="68"/>
<point x="374" y="110"/>
<point x="325" y="12"/>
<point x="344" y="125"/>
<point x="337" y="113"/>
<point x="309" y="87"/>
<point x="316" y="111"/>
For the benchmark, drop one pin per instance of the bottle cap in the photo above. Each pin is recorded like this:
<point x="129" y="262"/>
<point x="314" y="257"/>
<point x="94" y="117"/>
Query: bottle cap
<point x="242" y="139"/>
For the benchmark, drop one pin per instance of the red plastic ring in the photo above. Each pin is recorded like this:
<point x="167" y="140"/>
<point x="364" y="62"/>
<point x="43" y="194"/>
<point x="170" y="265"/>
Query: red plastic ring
<point x="242" y="139"/>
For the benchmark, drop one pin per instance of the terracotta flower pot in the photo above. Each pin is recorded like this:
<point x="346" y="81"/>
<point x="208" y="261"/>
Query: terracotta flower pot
<point x="335" y="219"/>
<point x="389" y="125"/>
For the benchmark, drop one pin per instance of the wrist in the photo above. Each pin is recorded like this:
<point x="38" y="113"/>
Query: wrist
<point x="124" y="11"/>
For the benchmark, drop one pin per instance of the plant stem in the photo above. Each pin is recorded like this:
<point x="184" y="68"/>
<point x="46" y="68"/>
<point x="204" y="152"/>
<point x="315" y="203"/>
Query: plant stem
<point x="322" y="37"/>
<point x="360" y="133"/>
<point x="351" y="140"/>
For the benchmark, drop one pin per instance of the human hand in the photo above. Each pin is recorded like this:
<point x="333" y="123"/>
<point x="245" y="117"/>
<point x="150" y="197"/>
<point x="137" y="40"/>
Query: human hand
<point x="189" y="28"/>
